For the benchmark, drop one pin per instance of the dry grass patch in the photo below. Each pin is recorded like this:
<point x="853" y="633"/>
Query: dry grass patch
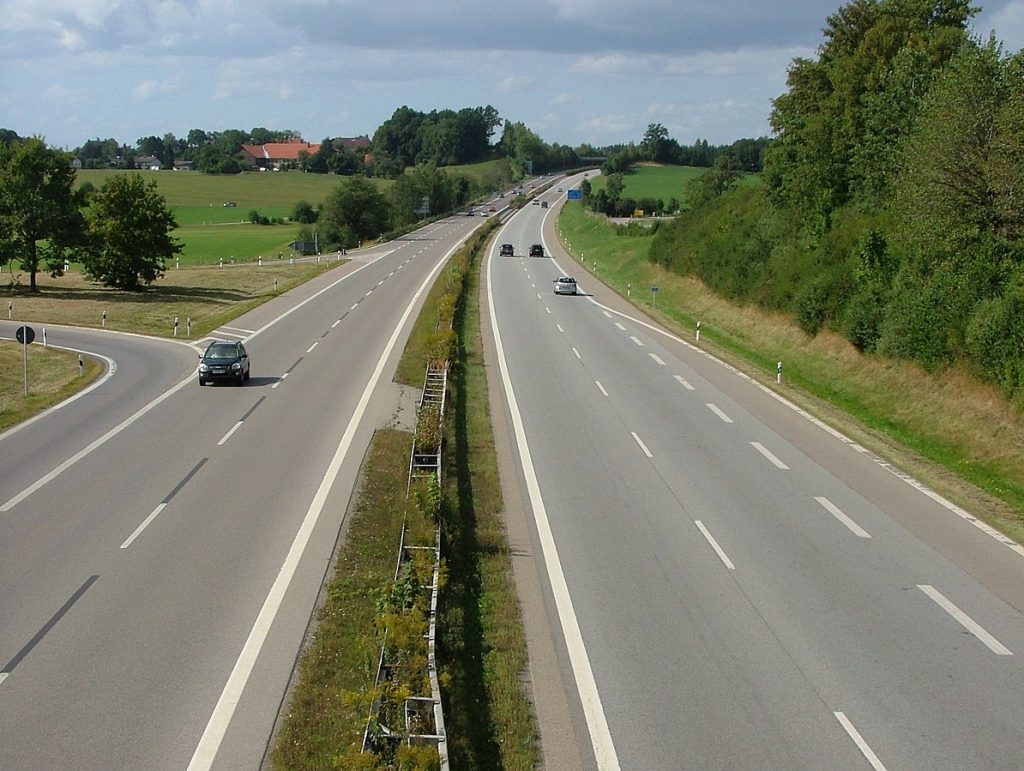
<point x="208" y="295"/>
<point x="52" y="377"/>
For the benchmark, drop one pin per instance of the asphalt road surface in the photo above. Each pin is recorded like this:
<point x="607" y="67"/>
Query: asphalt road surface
<point x="731" y="583"/>
<point x="162" y="544"/>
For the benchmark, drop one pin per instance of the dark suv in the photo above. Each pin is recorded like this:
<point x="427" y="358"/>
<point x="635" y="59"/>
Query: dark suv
<point x="224" y="360"/>
<point x="536" y="250"/>
<point x="506" y="249"/>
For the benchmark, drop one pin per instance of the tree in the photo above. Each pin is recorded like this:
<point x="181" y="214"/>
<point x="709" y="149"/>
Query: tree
<point x="129" y="225"/>
<point x="356" y="211"/>
<point x="39" y="211"/>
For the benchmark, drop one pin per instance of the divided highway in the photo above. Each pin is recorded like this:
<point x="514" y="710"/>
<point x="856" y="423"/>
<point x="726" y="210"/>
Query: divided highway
<point x="734" y="585"/>
<point x="162" y="544"/>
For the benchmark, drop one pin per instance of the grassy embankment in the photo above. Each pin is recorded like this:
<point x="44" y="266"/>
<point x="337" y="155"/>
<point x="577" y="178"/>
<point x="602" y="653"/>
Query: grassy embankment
<point x="481" y="648"/>
<point x="955" y="434"/>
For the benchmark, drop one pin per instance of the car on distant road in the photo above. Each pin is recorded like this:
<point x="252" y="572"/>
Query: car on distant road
<point x="506" y="250"/>
<point x="565" y="285"/>
<point x="536" y="202"/>
<point x="537" y="250"/>
<point x="224" y="360"/>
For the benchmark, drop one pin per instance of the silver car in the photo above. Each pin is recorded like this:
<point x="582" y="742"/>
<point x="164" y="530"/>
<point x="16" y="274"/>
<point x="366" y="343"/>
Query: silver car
<point x="565" y="285"/>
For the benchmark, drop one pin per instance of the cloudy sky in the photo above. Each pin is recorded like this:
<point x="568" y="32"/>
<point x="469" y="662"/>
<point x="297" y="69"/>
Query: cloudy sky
<point x="574" y="71"/>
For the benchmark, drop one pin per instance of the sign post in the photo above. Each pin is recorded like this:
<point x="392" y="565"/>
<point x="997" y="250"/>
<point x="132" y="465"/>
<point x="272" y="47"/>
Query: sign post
<point x="25" y="335"/>
<point x="654" y="296"/>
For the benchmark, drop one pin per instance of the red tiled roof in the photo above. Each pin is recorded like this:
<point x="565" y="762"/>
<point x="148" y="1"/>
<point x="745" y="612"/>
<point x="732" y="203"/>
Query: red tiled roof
<point x="280" y="151"/>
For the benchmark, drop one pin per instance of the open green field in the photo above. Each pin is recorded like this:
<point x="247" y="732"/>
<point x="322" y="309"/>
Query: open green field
<point x="958" y="436"/>
<point x="664" y="182"/>
<point x="210" y="231"/>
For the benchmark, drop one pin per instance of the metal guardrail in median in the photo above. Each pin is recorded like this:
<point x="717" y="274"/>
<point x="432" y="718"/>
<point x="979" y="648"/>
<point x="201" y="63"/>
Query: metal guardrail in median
<point x="417" y="711"/>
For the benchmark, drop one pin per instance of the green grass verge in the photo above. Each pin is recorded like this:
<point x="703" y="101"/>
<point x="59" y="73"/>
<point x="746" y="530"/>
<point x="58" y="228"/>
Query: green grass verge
<point x="481" y="646"/>
<point x="53" y="376"/>
<point x="945" y="434"/>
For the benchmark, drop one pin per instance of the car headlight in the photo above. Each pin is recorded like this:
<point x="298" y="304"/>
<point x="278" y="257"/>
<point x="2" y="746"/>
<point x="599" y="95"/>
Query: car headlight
<point x="236" y="365"/>
<point x="203" y="368"/>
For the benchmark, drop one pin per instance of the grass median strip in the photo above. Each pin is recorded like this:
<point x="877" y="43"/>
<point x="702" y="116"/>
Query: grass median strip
<point x="481" y="646"/>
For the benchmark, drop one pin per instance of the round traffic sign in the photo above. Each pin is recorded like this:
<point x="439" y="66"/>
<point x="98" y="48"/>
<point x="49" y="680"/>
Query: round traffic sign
<point x="25" y="334"/>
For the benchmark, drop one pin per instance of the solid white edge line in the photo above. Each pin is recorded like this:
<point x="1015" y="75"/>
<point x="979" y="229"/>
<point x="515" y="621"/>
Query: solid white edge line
<point x="718" y="411"/>
<point x="657" y="359"/>
<point x="714" y="545"/>
<point x="224" y="439"/>
<point x="862" y="745"/>
<point x="836" y="512"/>
<point x="640" y="442"/>
<point x="586" y="686"/>
<point x="145" y="523"/>
<point x="600" y="387"/>
<point x="873" y="457"/>
<point x="768" y="454"/>
<point x="217" y="726"/>
<point x="965" y="621"/>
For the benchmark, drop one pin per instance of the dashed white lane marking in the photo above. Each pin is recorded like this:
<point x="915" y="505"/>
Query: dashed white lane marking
<point x="560" y="328"/>
<point x="539" y="297"/>
<point x="862" y="745"/>
<point x="640" y="442"/>
<point x="380" y="283"/>
<point x="606" y="313"/>
<point x="533" y="285"/>
<point x="224" y="439"/>
<point x="657" y="359"/>
<point x="836" y="512"/>
<point x="768" y="454"/>
<point x="145" y="523"/>
<point x="368" y="293"/>
<point x="600" y="387"/>
<point x="718" y="411"/>
<point x="684" y="383"/>
<point x="547" y="309"/>
<point x="577" y="354"/>
<point x="354" y="306"/>
<point x="637" y="340"/>
<point x="714" y="545"/>
<point x="620" y="326"/>
<point x="966" y="621"/>
<point x="314" y="345"/>
<point x="280" y="380"/>
<point x="335" y="323"/>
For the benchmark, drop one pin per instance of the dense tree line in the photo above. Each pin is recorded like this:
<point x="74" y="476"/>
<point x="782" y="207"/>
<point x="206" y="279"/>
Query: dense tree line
<point x="439" y="138"/>
<point x="891" y="210"/>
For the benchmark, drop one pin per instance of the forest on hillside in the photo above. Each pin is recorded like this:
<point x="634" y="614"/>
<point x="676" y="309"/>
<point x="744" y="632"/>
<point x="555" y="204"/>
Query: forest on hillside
<point x="891" y="207"/>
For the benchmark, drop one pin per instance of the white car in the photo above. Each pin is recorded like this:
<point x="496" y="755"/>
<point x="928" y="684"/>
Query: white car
<point x="565" y="285"/>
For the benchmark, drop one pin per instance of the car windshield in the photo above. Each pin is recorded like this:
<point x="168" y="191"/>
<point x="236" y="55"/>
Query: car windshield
<point x="221" y="352"/>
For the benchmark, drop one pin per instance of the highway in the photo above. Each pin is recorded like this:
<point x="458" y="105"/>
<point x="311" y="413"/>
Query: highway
<point x="730" y="583"/>
<point x="162" y="544"/>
